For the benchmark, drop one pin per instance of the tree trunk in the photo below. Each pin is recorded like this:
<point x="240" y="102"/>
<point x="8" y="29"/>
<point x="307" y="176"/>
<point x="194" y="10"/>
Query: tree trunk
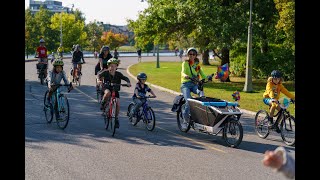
<point x="264" y="43"/>
<point x="205" y="57"/>
<point x="225" y="59"/>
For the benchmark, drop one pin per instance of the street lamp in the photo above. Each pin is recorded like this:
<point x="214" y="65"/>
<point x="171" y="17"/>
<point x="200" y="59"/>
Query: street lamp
<point x="61" y="22"/>
<point x="248" y="82"/>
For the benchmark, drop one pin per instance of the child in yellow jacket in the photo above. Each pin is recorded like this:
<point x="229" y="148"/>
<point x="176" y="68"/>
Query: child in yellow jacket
<point x="272" y="94"/>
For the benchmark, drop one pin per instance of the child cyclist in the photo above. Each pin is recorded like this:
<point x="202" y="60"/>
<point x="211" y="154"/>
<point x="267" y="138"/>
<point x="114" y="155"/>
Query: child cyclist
<point x="54" y="77"/>
<point x="110" y="75"/>
<point x="272" y="94"/>
<point x="140" y="90"/>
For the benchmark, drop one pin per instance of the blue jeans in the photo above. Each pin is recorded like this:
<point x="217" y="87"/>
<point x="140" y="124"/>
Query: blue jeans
<point x="186" y="89"/>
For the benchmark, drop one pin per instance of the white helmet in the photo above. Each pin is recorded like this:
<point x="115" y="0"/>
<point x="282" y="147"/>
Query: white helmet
<point x="192" y="49"/>
<point x="41" y="40"/>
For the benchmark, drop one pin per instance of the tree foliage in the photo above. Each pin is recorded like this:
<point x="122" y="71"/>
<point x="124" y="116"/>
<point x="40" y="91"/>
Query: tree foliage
<point x="114" y="40"/>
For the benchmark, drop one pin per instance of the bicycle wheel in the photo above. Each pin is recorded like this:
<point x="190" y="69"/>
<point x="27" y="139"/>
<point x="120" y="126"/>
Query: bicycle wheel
<point x="131" y="105"/>
<point x="182" y="125"/>
<point x="63" y="111"/>
<point x="261" y="124"/>
<point x="113" y="118"/>
<point x="79" y="78"/>
<point x="288" y="130"/>
<point x="41" y="78"/>
<point x="233" y="128"/>
<point x="47" y="108"/>
<point x="150" y="119"/>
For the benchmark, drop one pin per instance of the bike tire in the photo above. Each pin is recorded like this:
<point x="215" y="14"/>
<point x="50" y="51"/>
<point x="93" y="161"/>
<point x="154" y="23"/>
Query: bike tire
<point x="288" y="129"/>
<point x="106" y="121"/>
<point x="230" y="127"/>
<point x="261" y="124"/>
<point x="131" y="105"/>
<point x="42" y="78"/>
<point x="64" y="109"/>
<point x="150" y="119"/>
<point x="180" y="118"/>
<point x="113" y="118"/>
<point x="79" y="80"/>
<point x="47" y="108"/>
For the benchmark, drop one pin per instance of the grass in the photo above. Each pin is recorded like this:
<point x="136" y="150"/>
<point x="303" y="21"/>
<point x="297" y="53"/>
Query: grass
<point x="127" y="48"/>
<point x="168" y="76"/>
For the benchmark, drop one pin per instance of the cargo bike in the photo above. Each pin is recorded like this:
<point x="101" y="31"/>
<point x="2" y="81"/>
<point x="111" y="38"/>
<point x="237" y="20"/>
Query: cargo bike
<point x="210" y="116"/>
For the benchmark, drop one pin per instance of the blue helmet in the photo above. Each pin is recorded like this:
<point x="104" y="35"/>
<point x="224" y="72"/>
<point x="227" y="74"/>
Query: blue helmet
<point x="276" y="74"/>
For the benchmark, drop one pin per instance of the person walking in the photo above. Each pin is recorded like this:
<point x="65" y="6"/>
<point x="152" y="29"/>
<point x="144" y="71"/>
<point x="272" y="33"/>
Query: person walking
<point x="139" y="55"/>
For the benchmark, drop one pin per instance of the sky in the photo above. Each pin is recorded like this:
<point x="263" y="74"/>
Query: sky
<point x="114" y="12"/>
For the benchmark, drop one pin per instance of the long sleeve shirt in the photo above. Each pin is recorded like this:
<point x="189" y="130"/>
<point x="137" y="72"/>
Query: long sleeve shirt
<point x="55" y="78"/>
<point x="118" y="76"/>
<point x="274" y="90"/>
<point x="288" y="165"/>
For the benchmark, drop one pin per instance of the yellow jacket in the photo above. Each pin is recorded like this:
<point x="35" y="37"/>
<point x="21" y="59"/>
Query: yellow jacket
<point x="273" y="90"/>
<point x="185" y="70"/>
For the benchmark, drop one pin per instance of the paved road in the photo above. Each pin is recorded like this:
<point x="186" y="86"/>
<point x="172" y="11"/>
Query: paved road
<point x="85" y="150"/>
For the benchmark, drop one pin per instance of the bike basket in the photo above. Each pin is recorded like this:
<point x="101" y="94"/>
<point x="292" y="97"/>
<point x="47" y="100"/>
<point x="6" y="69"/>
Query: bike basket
<point x="41" y="66"/>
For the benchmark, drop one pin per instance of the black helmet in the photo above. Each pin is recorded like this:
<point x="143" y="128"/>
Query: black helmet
<point x="142" y="76"/>
<point x="276" y="74"/>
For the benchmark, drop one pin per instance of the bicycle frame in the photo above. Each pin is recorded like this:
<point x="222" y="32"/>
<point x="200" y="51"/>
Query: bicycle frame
<point x="56" y="100"/>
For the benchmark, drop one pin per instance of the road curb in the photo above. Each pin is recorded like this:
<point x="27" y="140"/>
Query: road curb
<point x="178" y="93"/>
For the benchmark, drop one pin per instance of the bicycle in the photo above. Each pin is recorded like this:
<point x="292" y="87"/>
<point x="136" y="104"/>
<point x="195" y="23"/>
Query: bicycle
<point x="59" y="106"/>
<point x="41" y="69"/>
<point x="77" y="74"/>
<point x="110" y="116"/>
<point x="285" y="122"/>
<point x="145" y="113"/>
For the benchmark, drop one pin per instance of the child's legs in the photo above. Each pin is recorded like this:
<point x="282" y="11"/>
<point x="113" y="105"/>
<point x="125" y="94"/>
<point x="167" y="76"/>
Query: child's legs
<point x="138" y="104"/>
<point x="107" y="94"/>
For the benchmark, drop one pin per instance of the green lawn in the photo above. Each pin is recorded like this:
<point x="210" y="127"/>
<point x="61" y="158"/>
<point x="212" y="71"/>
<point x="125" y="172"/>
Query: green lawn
<point x="168" y="76"/>
<point x="127" y="48"/>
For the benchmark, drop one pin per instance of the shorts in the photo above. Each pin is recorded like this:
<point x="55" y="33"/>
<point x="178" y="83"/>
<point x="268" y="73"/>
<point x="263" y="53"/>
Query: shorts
<point x="75" y="64"/>
<point x="267" y="101"/>
<point x="116" y="92"/>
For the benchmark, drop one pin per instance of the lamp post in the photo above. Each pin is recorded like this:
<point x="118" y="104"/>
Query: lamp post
<point x="61" y="23"/>
<point x="248" y="82"/>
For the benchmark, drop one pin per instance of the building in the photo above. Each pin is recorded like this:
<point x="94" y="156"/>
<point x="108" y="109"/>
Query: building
<point x="51" y="5"/>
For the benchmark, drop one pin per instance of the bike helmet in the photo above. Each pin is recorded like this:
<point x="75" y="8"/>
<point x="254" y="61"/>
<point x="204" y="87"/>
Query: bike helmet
<point x="105" y="48"/>
<point x="58" y="63"/>
<point x="142" y="76"/>
<point x="41" y="40"/>
<point x="113" y="61"/>
<point x="192" y="49"/>
<point x="276" y="74"/>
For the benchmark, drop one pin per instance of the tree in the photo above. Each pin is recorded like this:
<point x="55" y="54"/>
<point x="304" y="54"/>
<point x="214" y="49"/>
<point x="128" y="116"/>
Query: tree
<point x="113" y="40"/>
<point x="94" y="31"/>
<point x="72" y="29"/>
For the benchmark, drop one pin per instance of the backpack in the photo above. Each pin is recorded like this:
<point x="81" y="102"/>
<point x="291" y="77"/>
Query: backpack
<point x="177" y="103"/>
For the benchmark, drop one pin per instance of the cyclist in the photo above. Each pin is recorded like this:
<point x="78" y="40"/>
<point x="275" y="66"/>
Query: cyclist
<point x="42" y="55"/>
<point x="112" y="76"/>
<point x="104" y="56"/>
<point x="187" y="85"/>
<point x="60" y="51"/>
<point x="54" y="77"/>
<point x="77" y="56"/>
<point x="140" y="90"/>
<point x="272" y="93"/>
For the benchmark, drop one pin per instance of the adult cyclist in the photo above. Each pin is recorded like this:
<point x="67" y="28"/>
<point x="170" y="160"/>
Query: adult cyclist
<point x="41" y="54"/>
<point x="77" y="56"/>
<point x="188" y="71"/>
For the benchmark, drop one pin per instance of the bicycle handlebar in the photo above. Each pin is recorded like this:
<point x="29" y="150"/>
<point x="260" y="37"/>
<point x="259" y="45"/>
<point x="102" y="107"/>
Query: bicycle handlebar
<point x="114" y="84"/>
<point x="146" y="97"/>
